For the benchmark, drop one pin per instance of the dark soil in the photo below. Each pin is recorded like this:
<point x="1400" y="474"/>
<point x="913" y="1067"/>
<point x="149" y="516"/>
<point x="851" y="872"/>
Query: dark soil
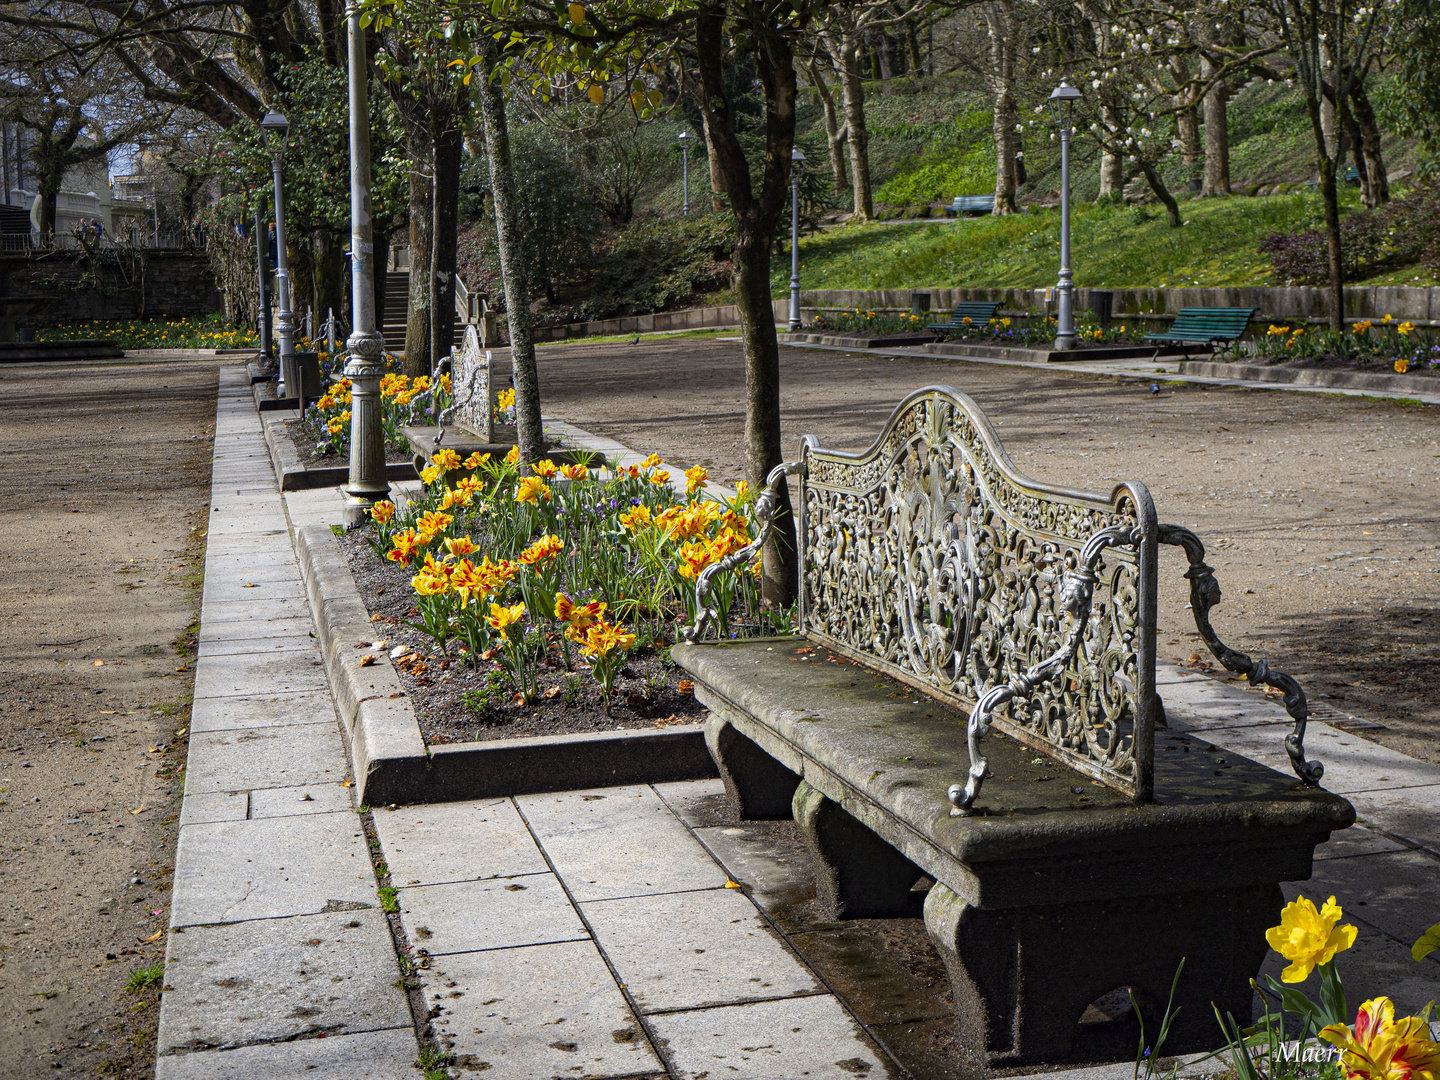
<point x="305" y="433"/>
<point x="649" y="693"/>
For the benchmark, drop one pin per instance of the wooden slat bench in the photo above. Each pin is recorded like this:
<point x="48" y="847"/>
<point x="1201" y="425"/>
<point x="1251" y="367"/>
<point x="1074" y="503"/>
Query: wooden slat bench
<point x="971" y="204"/>
<point x="969" y="313"/>
<point x="1081" y="846"/>
<point x="1218" y="327"/>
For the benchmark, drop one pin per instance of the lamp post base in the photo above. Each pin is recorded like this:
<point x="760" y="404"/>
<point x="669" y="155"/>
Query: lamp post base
<point x="1064" y="342"/>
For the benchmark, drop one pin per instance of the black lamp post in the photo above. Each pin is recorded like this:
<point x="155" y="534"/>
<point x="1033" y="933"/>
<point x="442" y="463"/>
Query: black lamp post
<point x="685" y="169"/>
<point x="797" y="162"/>
<point x="277" y="129"/>
<point x="1063" y="100"/>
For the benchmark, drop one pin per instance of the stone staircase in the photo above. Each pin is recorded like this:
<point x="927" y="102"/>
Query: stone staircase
<point x="392" y="320"/>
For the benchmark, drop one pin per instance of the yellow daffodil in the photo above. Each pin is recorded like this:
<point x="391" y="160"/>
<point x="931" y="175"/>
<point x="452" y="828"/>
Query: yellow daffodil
<point x="660" y="477"/>
<point x="1383" y="1048"/>
<point x="636" y="518"/>
<point x="1406" y="327"/>
<point x="429" y="475"/>
<point x="1402" y="366"/>
<point x="1362" y="326"/>
<point x="513" y="457"/>
<point x="502" y="617"/>
<point x="505" y="400"/>
<point x="694" y="557"/>
<point x="651" y="462"/>
<point x="695" y="478"/>
<point x="604" y="638"/>
<point x="531" y="489"/>
<point x="445" y="459"/>
<point x="471" y="485"/>
<point x="1309" y="938"/>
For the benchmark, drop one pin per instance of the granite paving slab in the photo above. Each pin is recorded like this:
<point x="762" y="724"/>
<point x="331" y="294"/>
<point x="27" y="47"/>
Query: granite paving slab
<point x="1410" y="813"/>
<point x="461" y="841"/>
<point x="252" y="629"/>
<point x="696" y="949"/>
<point x="811" y="1037"/>
<point x="232" y="871"/>
<point x="497" y="913"/>
<point x="620" y="841"/>
<point x="240" y="759"/>
<point x="263" y="710"/>
<point x="536" y="1013"/>
<point x="370" y="1055"/>
<point x="279" y="979"/>
<point x="242" y="675"/>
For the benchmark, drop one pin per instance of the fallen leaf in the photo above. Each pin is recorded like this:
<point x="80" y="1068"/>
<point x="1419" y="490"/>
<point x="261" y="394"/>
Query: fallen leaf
<point x="99" y="663"/>
<point x="249" y="585"/>
<point x="138" y="810"/>
<point x="1194" y="658"/>
<point x="489" y="654"/>
<point x="518" y="699"/>
<point x="685" y="686"/>
<point x="183" y="667"/>
<point x="362" y="644"/>
<point x="731" y="884"/>
<point x="158" y="911"/>
<point x="181" y="733"/>
<point x="1364" y="533"/>
<point x="376" y="618"/>
<point x="554" y="691"/>
<point x="107" y="712"/>
<point x="156" y="936"/>
<point x="367" y="659"/>
<point x="348" y="783"/>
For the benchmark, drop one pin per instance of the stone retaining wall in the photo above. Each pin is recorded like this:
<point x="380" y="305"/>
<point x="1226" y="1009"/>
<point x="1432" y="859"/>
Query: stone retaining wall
<point x="1420" y="305"/>
<point x="162" y="283"/>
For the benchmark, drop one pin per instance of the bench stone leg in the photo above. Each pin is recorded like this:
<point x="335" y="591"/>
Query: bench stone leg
<point x="760" y="785"/>
<point x="1022" y="977"/>
<point x="857" y="874"/>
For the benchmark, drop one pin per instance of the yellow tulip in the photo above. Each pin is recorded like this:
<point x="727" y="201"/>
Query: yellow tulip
<point x="1383" y="1048"/>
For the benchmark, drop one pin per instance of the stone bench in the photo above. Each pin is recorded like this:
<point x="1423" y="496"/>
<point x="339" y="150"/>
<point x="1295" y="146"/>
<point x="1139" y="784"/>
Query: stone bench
<point x="1078" y="847"/>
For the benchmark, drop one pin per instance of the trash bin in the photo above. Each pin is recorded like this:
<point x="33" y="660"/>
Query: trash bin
<point x="1102" y="303"/>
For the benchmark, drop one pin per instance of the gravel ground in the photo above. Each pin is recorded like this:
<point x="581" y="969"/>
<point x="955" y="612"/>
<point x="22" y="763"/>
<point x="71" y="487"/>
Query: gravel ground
<point x="1320" y="512"/>
<point x="105" y="480"/>
<point x="648" y="693"/>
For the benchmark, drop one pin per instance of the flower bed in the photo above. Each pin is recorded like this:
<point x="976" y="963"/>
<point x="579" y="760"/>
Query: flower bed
<point x="1386" y="344"/>
<point x="545" y="603"/>
<point x="208" y="332"/>
<point x="1032" y="328"/>
<point x="326" y="424"/>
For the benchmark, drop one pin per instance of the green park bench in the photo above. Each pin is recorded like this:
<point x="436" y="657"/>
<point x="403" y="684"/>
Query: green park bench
<point x="968" y="313"/>
<point x="971" y="204"/>
<point x="1087" y="845"/>
<point x="1218" y="327"/>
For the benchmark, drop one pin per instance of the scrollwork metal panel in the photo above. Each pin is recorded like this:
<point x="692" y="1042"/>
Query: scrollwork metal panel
<point x="931" y="557"/>
<point x="470" y="381"/>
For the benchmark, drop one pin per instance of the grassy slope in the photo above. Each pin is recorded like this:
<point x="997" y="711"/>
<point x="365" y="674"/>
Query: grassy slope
<point x="1110" y="246"/>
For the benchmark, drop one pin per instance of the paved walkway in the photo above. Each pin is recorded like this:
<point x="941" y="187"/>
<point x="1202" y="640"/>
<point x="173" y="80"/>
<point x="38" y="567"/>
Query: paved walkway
<point x="280" y="961"/>
<point x="620" y="932"/>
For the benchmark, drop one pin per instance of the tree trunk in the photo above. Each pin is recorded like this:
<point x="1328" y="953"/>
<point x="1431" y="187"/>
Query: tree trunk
<point x="1370" y="131"/>
<point x="330" y="279"/>
<point x="443" y="241"/>
<point x="1217" y="136"/>
<point x="1157" y="185"/>
<point x="845" y="52"/>
<point x="1330" y="197"/>
<point x="422" y="222"/>
<point x="883" y="61"/>
<point x="756" y="219"/>
<point x="508" y="239"/>
<point x="834" y="133"/>
<point x="717" y="187"/>
<point x="381" y="239"/>
<point x="1112" y="166"/>
<point x="1187" y="125"/>
<point x="1001" y="77"/>
<point x="1355" y="141"/>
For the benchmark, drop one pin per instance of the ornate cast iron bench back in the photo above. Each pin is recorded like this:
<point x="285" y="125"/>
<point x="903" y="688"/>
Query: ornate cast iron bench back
<point x="472" y="390"/>
<point x="932" y="558"/>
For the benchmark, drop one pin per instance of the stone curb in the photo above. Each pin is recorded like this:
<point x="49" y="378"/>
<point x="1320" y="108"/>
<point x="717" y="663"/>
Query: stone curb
<point x="391" y="761"/>
<point x="292" y="474"/>
<point x="1347" y="380"/>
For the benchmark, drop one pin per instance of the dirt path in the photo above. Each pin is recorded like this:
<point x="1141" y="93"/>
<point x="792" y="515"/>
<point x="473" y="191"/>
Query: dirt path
<point x="104" y="481"/>
<point x="1320" y="513"/>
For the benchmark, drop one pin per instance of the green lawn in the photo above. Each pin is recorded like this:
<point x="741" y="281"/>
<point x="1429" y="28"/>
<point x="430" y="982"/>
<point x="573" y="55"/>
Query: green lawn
<point x="1114" y="246"/>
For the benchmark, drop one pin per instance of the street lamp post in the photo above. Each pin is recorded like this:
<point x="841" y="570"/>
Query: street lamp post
<point x="276" y="129"/>
<point x="365" y="363"/>
<point x="1062" y="106"/>
<point x="797" y="162"/>
<point x="685" y="170"/>
<point x="263" y="272"/>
